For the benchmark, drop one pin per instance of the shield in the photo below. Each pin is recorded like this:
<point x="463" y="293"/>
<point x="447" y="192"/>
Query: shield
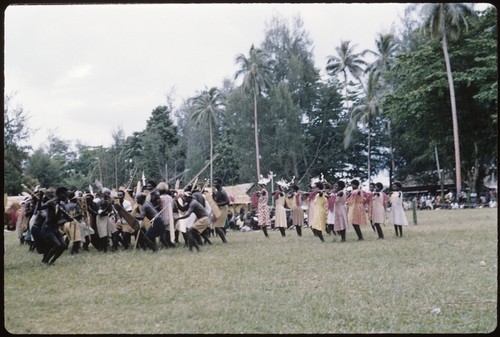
<point x="215" y="208"/>
<point x="129" y="218"/>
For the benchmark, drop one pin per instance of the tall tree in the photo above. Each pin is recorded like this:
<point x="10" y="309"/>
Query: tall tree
<point x="291" y="49"/>
<point x="387" y="48"/>
<point x="121" y="164"/>
<point x="364" y="114"/>
<point x="293" y="95"/>
<point x="192" y="138"/>
<point x="159" y="143"/>
<point x="255" y="70"/>
<point x="238" y="132"/>
<point x="207" y="106"/>
<point x="420" y="106"/>
<point x="446" y="21"/>
<point x="16" y="134"/>
<point x="44" y="168"/>
<point x="346" y="62"/>
<point x="385" y="54"/>
<point x="282" y="132"/>
<point x="323" y="135"/>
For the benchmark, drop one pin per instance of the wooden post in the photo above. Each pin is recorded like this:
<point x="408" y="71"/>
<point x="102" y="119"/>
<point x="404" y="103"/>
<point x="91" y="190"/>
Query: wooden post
<point x="414" y="208"/>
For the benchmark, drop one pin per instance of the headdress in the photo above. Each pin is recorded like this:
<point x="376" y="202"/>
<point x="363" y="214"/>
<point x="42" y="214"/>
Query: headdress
<point x="263" y="181"/>
<point x="106" y="190"/>
<point x="283" y="183"/>
<point x="315" y="180"/>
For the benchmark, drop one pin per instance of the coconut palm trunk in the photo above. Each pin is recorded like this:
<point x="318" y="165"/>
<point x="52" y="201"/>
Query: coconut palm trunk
<point x="458" y="175"/>
<point x="207" y="106"/>
<point x="256" y="71"/>
<point x="346" y="95"/>
<point x="391" y="151"/>
<point x="369" y="148"/>
<point x="211" y="154"/>
<point x="448" y="20"/>
<point x="256" y="132"/>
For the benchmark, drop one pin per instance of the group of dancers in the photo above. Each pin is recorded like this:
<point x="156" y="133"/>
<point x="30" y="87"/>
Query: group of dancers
<point x="52" y="220"/>
<point x="332" y="209"/>
<point x="55" y="219"/>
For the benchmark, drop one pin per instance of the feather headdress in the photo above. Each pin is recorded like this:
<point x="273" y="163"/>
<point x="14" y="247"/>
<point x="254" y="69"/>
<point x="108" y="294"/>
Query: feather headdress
<point x="283" y="183"/>
<point x="320" y="179"/>
<point x="314" y="180"/>
<point x="98" y="184"/>
<point x="263" y="181"/>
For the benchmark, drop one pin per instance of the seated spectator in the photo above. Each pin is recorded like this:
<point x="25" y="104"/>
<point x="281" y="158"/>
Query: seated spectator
<point x="240" y="221"/>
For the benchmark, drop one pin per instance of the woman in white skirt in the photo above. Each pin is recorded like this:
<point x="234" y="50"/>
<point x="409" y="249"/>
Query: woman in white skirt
<point x="378" y="206"/>
<point x="280" y="221"/>
<point x="330" y="214"/>
<point x="397" y="212"/>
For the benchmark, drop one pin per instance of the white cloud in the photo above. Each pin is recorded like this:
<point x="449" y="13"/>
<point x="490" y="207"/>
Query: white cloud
<point x="80" y="71"/>
<point x="87" y="69"/>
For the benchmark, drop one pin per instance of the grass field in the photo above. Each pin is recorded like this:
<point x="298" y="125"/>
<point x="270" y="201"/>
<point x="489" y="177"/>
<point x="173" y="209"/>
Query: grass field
<point x="441" y="277"/>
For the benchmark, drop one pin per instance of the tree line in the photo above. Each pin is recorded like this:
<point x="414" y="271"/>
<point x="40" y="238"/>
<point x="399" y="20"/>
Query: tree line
<point x="429" y="88"/>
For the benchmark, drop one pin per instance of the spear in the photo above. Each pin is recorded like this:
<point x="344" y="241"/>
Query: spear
<point x="131" y="178"/>
<point x="201" y="171"/>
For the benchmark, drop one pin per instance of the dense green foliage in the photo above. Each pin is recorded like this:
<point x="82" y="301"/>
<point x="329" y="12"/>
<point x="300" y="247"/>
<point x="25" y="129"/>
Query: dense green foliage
<point x="366" y="116"/>
<point x="420" y="105"/>
<point x="15" y="148"/>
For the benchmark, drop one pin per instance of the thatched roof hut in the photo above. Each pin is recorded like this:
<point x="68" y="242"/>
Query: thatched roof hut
<point x="238" y="193"/>
<point x="12" y="200"/>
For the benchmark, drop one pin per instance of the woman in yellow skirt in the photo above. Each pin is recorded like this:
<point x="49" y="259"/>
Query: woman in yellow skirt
<point x="319" y="211"/>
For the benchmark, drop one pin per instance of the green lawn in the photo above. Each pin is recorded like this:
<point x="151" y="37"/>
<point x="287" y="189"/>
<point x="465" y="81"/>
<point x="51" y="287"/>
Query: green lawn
<point x="441" y="277"/>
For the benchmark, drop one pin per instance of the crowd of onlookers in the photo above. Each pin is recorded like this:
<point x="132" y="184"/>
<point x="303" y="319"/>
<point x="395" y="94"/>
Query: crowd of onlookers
<point x="429" y="201"/>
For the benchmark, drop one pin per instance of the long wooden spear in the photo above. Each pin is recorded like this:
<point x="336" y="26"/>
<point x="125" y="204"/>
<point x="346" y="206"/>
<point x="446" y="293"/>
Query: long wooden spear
<point x="201" y="171"/>
<point x="132" y="178"/>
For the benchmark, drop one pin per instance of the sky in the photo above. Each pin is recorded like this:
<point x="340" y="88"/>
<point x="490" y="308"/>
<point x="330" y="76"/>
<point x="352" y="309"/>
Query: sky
<point x="83" y="71"/>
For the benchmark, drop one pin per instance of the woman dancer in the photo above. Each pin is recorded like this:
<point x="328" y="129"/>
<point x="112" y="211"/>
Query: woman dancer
<point x="397" y="212"/>
<point x="259" y="200"/>
<point x="378" y="206"/>
<point x="340" y="210"/>
<point x="319" y="204"/>
<point x="294" y="202"/>
<point x="356" y="204"/>
<point x="280" y="212"/>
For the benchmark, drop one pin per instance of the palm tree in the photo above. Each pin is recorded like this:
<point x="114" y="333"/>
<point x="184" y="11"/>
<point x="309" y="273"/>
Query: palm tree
<point x="364" y="114"/>
<point x="446" y="21"/>
<point x="256" y="73"/>
<point x="346" y="62"/>
<point x="385" y="58"/>
<point x="387" y="47"/>
<point x="207" y="106"/>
